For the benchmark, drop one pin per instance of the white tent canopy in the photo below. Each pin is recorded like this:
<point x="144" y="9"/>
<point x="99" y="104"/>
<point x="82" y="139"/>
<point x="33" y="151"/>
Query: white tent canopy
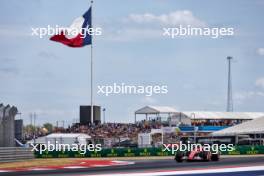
<point x="155" y="110"/>
<point x="250" y="127"/>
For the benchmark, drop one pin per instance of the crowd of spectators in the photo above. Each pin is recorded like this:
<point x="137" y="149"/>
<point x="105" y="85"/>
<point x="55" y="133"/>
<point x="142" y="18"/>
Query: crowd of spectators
<point x="115" y="130"/>
<point x="215" y="122"/>
<point x="131" y="130"/>
<point x="123" y="130"/>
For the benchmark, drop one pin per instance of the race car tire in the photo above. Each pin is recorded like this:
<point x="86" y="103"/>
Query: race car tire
<point x="215" y="157"/>
<point x="179" y="157"/>
<point x="205" y="156"/>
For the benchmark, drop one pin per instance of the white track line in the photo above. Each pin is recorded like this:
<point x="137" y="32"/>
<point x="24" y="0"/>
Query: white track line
<point x="123" y="162"/>
<point x="100" y="165"/>
<point x="2" y="171"/>
<point x="74" y="167"/>
<point x="39" y="169"/>
<point x="202" y="171"/>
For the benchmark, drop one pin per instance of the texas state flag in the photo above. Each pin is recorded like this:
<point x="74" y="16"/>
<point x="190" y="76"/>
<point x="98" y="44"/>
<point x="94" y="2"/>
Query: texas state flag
<point x="77" y="34"/>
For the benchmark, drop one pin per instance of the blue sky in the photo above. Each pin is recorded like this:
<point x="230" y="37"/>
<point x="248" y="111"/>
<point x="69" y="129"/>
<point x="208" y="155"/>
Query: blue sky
<point x="45" y="77"/>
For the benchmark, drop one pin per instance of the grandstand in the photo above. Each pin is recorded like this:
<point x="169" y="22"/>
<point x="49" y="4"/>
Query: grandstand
<point x="161" y="124"/>
<point x="213" y="121"/>
<point x="205" y="120"/>
<point x="190" y="124"/>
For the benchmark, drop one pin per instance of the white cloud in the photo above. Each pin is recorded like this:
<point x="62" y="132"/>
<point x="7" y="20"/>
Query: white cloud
<point x="183" y="17"/>
<point x="260" y="51"/>
<point x="136" y="27"/>
<point x="260" y="82"/>
<point x="147" y="26"/>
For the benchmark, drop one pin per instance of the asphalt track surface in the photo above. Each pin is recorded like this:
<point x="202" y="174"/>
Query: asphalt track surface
<point x="154" y="166"/>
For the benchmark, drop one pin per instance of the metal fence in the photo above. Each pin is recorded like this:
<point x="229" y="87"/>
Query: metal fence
<point x="8" y="154"/>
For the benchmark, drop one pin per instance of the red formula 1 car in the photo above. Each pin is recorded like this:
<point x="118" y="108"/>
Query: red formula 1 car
<point x="196" y="155"/>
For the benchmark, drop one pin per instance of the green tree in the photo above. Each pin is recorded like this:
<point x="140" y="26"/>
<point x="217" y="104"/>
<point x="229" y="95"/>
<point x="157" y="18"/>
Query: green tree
<point x="29" y="129"/>
<point x="48" y="126"/>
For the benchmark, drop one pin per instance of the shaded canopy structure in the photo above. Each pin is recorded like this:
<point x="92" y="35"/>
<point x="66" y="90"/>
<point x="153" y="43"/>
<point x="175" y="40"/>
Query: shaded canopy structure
<point x="207" y="115"/>
<point x="156" y="110"/>
<point x="255" y="126"/>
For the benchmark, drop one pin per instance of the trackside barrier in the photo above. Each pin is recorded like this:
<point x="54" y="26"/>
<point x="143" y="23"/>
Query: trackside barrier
<point x="9" y="154"/>
<point x="134" y="152"/>
<point x="246" y="150"/>
<point x="115" y="152"/>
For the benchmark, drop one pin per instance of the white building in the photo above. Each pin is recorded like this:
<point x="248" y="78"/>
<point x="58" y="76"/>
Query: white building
<point x="63" y="138"/>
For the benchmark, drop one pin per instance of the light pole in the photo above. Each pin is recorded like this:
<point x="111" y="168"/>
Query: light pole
<point x="34" y="116"/>
<point x="194" y="127"/>
<point x="229" y="107"/>
<point x="104" y="114"/>
<point x="63" y="122"/>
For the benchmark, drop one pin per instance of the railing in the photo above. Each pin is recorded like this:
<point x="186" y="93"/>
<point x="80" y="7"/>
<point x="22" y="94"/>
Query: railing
<point x="202" y="128"/>
<point x="9" y="154"/>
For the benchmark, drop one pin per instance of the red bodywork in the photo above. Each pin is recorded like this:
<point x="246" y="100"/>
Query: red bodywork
<point x="195" y="153"/>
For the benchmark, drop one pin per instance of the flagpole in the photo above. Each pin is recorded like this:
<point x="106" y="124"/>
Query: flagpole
<point x="92" y="119"/>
